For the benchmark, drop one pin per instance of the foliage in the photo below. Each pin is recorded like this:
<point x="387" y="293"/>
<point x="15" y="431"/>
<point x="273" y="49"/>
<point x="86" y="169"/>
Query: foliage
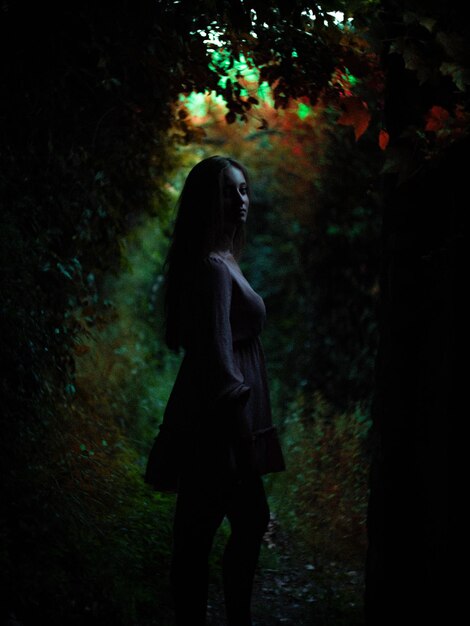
<point x="302" y="52"/>
<point x="99" y="537"/>
<point x="92" y="541"/>
<point x="426" y="57"/>
<point x="84" y="153"/>
<point x="326" y="479"/>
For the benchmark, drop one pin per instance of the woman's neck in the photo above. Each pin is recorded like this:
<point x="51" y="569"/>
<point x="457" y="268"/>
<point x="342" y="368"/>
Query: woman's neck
<point x="225" y="245"/>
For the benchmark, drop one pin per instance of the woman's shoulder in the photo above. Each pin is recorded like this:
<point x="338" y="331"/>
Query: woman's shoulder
<point x="213" y="257"/>
<point x="216" y="269"/>
<point x="216" y="261"/>
<point x="225" y="263"/>
<point x="223" y="258"/>
<point x="221" y="255"/>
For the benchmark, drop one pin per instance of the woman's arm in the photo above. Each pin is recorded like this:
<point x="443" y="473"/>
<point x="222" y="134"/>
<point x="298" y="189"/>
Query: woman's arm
<point x="227" y="390"/>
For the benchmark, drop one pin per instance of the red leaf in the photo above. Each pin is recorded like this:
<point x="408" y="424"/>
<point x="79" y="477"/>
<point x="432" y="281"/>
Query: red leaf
<point x="436" y="118"/>
<point x="384" y="138"/>
<point x="355" y="114"/>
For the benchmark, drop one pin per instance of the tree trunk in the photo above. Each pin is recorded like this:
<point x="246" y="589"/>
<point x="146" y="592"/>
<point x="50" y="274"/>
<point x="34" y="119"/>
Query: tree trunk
<point x="423" y="245"/>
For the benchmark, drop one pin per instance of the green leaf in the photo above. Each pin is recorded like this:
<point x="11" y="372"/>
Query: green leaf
<point x="64" y="271"/>
<point x="459" y="74"/>
<point x="70" y="389"/>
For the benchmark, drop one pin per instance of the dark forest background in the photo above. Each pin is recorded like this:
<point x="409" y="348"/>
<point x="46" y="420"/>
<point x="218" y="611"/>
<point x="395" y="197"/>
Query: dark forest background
<point x="356" y="135"/>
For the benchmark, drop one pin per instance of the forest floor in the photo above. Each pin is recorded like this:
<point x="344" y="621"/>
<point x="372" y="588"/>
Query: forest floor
<point x="292" y="589"/>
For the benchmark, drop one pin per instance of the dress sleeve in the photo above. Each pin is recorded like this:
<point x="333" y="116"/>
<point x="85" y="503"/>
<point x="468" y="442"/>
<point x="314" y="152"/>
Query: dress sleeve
<point x="226" y="387"/>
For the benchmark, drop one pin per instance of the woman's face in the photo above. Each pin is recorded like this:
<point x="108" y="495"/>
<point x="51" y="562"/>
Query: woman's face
<point x="235" y="196"/>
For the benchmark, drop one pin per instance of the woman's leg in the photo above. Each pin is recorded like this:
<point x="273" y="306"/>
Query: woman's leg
<point x="198" y="515"/>
<point x="248" y="513"/>
<point x="205" y="487"/>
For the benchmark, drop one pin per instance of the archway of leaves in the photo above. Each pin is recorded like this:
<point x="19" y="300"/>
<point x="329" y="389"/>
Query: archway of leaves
<point x="312" y="254"/>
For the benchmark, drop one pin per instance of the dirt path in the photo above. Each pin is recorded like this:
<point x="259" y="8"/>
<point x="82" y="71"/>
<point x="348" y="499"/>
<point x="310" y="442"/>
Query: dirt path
<point x="292" y="590"/>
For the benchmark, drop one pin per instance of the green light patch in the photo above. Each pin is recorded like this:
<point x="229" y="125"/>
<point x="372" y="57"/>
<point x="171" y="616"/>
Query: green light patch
<point x="304" y="110"/>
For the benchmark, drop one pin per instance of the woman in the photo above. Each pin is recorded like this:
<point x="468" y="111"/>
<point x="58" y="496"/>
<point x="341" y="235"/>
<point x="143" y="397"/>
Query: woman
<point x="217" y="437"/>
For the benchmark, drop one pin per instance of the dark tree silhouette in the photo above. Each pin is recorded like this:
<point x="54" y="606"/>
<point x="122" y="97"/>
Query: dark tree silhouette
<point x="423" y="241"/>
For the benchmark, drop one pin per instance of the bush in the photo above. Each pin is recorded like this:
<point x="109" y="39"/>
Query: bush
<point x="326" y="479"/>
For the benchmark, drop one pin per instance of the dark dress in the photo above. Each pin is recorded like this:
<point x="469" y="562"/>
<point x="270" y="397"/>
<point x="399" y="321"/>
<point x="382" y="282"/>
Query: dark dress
<point x="221" y="382"/>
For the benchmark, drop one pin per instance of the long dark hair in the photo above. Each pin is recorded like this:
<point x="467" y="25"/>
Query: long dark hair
<point x="198" y="229"/>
